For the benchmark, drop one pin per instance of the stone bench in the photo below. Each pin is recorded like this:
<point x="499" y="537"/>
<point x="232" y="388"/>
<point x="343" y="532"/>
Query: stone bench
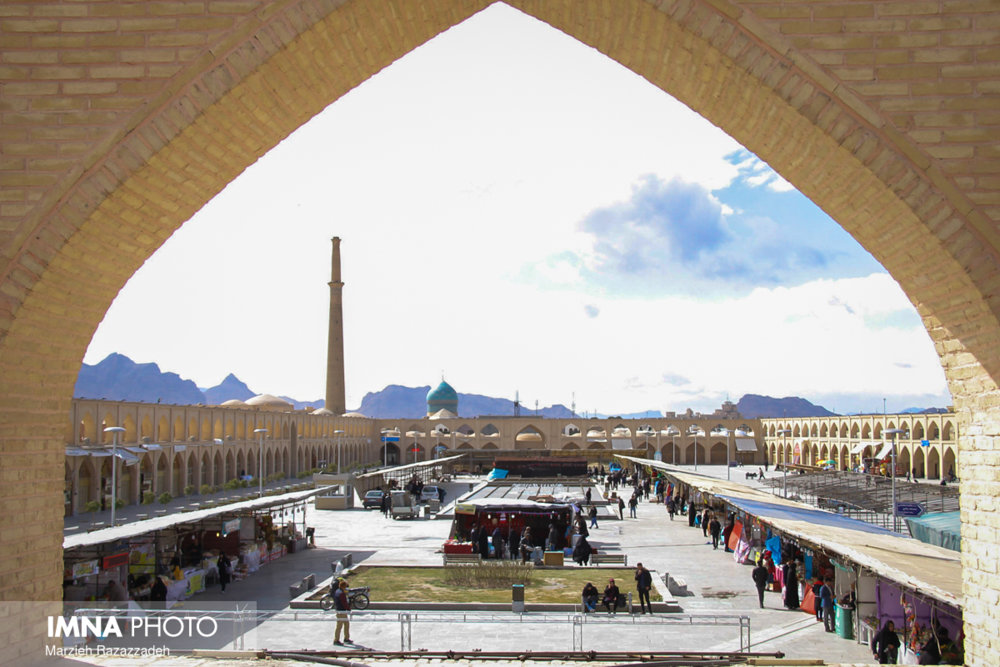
<point x="609" y="559"/>
<point x="305" y="585"/>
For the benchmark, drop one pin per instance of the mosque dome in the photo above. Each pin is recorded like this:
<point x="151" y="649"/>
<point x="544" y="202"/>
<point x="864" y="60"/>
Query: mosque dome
<point x="268" y="402"/>
<point x="321" y="411"/>
<point x="234" y="403"/>
<point x="442" y="397"/>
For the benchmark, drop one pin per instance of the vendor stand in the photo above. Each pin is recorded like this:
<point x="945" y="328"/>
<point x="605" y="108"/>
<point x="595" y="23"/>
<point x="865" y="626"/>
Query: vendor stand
<point x="511" y="516"/>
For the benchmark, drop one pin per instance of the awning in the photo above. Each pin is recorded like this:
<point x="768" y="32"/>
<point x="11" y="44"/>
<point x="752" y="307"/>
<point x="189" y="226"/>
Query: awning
<point x="885" y="451"/>
<point x="76" y="451"/>
<point x="135" y="450"/>
<point x="152" y="448"/>
<point x="128" y="458"/>
<point x="746" y="445"/>
<point x="858" y="448"/>
<point x="943" y="529"/>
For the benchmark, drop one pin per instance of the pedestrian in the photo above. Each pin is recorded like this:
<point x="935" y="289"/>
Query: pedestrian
<point x="714" y="527"/>
<point x="791" y="597"/>
<point x="484" y="542"/>
<point x="643" y="582"/>
<point x="582" y="551"/>
<point x="633" y="502"/>
<point x="526" y="546"/>
<point x="885" y="644"/>
<point x="587" y="496"/>
<point x="760" y="577"/>
<point x="552" y="542"/>
<point x="826" y="597"/>
<point x="514" y="543"/>
<point x="225" y="568"/>
<point x="621" y="508"/>
<point x="705" y="516"/>
<point x="671" y="508"/>
<point x="497" y="542"/>
<point x="592" y="513"/>
<point x="611" y="597"/>
<point x="386" y="503"/>
<point x="691" y="515"/>
<point x="342" y="605"/>
<point x="727" y="531"/>
<point x="589" y="596"/>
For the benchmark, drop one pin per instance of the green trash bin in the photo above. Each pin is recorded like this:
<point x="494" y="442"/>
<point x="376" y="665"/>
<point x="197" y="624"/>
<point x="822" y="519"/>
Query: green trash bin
<point x="844" y="617"/>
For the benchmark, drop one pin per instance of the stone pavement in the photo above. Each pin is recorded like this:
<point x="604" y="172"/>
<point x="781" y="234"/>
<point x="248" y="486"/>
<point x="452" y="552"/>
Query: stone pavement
<point x="717" y="586"/>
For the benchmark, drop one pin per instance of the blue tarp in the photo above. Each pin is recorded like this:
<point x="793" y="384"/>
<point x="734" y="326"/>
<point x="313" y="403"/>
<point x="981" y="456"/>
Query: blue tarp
<point x="943" y="529"/>
<point x="496" y="473"/>
<point x="768" y="510"/>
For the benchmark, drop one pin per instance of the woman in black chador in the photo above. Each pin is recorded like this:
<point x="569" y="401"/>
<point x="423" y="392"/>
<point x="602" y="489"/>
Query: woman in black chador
<point x="791" y="586"/>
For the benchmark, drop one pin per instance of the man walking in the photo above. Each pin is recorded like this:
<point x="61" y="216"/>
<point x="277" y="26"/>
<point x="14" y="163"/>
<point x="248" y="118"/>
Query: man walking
<point x="343" y="608"/>
<point x="714" y="527"/>
<point x="826" y="597"/>
<point x="633" y="502"/>
<point x="759" y="575"/>
<point x="643" y="582"/>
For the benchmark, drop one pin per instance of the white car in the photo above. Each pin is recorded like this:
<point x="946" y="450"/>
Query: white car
<point x="429" y="492"/>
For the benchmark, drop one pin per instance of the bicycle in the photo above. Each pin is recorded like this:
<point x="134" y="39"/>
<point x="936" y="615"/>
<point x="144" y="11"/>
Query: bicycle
<point x="356" y="597"/>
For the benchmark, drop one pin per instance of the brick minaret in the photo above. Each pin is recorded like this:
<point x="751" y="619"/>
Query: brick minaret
<point x="335" y="401"/>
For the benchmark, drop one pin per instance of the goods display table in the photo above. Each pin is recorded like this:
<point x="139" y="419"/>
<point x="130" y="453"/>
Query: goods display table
<point x="453" y="547"/>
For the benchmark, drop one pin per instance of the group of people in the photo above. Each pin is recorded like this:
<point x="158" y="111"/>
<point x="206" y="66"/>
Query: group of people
<point x="612" y="598"/>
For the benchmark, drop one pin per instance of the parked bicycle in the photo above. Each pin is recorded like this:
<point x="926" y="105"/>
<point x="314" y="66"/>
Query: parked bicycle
<point x="356" y="597"/>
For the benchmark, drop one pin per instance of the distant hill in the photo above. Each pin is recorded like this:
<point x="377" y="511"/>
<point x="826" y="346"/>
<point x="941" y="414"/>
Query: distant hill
<point x="753" y="406"/>
<point x="118" y="378"/>
<point x="398" y="402"/>
<point x="230" y="388"/>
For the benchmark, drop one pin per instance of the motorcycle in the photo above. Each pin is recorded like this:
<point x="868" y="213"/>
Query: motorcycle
<point x="356" y="597"/>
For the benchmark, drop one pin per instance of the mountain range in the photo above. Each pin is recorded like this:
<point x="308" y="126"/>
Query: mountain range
<point x="118" y="378"/>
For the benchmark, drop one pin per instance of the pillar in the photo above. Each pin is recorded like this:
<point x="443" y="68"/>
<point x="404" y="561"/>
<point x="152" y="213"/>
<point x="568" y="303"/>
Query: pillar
<point x="335" y="400"/>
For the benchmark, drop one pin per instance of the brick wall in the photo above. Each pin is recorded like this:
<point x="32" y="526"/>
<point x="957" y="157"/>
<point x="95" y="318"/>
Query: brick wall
<point x="119" y="119"/>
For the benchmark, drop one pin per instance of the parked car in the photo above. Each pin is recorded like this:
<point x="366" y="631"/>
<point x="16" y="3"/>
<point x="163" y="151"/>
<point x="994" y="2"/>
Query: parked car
<point x="372" y="500"/>
<point x="429" y="492"/>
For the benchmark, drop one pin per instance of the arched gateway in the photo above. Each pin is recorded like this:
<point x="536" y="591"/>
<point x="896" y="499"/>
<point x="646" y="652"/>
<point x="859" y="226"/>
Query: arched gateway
<point x="873" y="110"/>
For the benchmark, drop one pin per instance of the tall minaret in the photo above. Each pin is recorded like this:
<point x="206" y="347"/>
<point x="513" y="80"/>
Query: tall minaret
<point x="335" y="401"/>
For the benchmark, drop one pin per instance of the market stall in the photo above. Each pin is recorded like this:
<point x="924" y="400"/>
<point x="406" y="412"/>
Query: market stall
<point x="512" y="516"/>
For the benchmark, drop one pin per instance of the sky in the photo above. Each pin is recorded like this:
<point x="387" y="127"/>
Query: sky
<point x="518" y="213"/>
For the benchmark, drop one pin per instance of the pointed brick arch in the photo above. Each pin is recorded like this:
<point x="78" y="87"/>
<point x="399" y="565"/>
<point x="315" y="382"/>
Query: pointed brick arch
<point x="848" y="140"/>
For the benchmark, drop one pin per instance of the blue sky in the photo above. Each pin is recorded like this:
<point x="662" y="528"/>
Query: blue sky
<point x="535" y="219"/>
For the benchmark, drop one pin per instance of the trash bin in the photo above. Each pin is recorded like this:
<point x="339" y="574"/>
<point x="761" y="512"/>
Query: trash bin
<point x="844" y="617"/>
<point x="517" y="598"/>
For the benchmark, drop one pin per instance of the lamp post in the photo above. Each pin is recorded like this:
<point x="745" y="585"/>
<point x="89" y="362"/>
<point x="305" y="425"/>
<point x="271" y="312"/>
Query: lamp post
<point x="260" y="463"/>
<point x="694" y="431"/>
<point x="673" y="433"/>
<point x="893" y="432"/>
<point x="729" y="457"/>
<point x="784" y="468"/>
<point x="114" y="431"/>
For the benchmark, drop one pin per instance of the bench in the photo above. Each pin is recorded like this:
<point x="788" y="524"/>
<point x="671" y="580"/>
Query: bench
<point x="462" y="559"/>
<point x="609" y="559"/>
<point x="306" y="584"/>
<point x="624" y="603"/>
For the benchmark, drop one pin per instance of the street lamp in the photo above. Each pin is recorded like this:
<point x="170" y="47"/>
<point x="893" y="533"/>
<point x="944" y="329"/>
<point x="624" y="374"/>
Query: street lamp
<point x="694" y="431"/>
<point x="893" y="432"/>
<point x="340" y="443"/>
<point x="784" y="468"/>
<point x="114" y="431"/>
<point x="260" y="464"/>
<point x="729" y="457"/>
<point x="673" y="433"/>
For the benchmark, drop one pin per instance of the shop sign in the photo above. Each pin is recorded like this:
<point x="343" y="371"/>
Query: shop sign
<point x="231" y="526"/>
<point x="86" y="568"/>
<point x="115" y="560"/>
<point x="465" y="508"/>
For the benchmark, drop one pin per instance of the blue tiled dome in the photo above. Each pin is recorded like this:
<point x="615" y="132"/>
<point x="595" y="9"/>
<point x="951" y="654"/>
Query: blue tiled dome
<point x="443" y="397"/>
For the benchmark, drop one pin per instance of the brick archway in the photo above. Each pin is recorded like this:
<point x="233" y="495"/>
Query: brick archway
<point x="878" y="112"/>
